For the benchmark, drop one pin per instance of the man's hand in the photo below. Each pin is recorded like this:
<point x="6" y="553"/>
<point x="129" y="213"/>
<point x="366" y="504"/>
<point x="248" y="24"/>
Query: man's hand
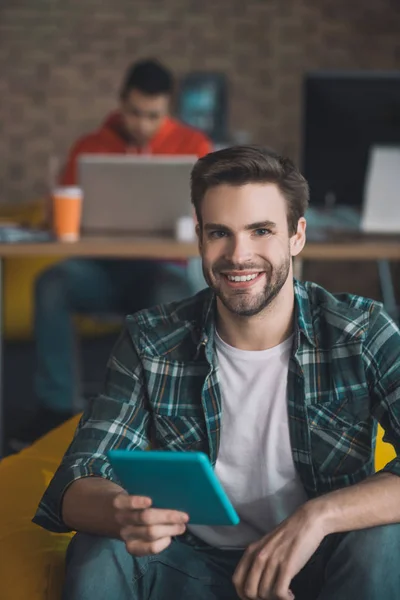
<point x="146" y="530"/>
<point x="269" y="565"/>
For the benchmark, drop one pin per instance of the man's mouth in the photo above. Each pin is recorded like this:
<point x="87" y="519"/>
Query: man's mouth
<point x="245" y="279"/>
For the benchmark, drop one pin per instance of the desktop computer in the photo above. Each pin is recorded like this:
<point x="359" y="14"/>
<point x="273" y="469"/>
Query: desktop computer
<point x="345" y="116"/>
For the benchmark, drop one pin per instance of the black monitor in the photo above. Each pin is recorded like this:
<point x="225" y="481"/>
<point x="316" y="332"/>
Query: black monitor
<point x="344" y="114"/>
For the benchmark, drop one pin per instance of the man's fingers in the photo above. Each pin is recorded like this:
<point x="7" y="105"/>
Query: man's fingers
<point x="260" y="566"/>
<point x="156" y="516"/>
<point x="126" y="502"/>
<point x="136" y="510"/>
<point x="150" y="533"/>
<point x="242" y="569"/>
<point x="139" y="548"/>
<point x="282" y="583"/>
<point x="267" y="579"/>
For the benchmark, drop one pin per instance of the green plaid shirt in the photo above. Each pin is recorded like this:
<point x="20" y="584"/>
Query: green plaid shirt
<point x="162" y="389"/>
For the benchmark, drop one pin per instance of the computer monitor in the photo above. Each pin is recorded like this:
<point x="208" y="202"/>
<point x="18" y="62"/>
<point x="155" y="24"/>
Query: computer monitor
<point x="202" y="102"/>
<point x="344" y="115"/>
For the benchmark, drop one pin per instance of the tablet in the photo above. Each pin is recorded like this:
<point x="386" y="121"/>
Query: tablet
<point x="182" y="481"/>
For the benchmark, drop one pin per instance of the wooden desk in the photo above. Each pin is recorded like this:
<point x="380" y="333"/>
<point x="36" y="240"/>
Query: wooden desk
<point x="121" y="246"/>
<point x="358" y="248"/>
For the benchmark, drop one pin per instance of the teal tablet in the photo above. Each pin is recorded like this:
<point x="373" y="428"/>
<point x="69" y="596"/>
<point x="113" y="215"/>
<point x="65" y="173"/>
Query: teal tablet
<point x="182" y="481"/>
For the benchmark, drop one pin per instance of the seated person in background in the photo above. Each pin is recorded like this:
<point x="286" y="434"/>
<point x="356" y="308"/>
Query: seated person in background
<point x="280" y="383"/>
<point x="141" y="125"/>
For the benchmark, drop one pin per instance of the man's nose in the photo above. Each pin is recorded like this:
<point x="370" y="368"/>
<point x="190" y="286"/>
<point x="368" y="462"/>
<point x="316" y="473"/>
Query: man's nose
<point x="239" y="250"/>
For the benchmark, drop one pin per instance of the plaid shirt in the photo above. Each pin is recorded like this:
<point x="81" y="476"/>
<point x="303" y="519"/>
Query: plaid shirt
<point x="162" y="389"/>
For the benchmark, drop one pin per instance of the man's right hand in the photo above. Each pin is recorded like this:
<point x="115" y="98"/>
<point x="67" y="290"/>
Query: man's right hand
<point x="146" y="530"/>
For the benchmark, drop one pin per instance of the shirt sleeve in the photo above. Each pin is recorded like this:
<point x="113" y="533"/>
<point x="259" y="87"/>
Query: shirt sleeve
<point x="382" y="360"/>
<point x="117" y="419"/>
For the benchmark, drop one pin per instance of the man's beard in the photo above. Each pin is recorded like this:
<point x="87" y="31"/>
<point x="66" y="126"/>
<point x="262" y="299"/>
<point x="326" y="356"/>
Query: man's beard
<point x="243" y="302"/>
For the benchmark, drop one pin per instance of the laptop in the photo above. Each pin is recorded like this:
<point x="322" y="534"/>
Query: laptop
<point x="134" y="194"/>
<point x="381" y="210"/>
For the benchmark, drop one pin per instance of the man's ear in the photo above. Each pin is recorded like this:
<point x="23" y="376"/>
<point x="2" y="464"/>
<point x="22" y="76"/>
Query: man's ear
<point x="298" y="240"/>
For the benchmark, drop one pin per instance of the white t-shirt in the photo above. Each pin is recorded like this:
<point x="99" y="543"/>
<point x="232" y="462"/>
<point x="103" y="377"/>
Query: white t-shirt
<point x="254" y="464"/>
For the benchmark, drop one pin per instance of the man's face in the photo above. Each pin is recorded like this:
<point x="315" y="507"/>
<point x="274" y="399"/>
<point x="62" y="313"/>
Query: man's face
<point x="245" y="246"/>
<point x="143" y="115"/>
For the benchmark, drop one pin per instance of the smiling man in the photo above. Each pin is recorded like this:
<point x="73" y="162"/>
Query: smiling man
<point x="281" y="383"/>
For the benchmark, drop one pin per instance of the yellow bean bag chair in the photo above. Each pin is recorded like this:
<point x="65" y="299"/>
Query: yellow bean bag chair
<point x="32" y="559"/>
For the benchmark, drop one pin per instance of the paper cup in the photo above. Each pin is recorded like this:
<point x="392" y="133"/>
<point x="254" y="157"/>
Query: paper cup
<point x="67" y="211"/>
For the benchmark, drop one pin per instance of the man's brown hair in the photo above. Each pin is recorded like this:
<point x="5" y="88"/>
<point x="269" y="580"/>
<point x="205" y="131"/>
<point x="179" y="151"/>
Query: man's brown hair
<point x="240" y="165"/>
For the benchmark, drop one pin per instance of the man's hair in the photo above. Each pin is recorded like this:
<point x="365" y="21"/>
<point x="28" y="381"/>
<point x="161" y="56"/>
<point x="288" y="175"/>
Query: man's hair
<point x="240" y="165"/>
<point x="149" y="77"/>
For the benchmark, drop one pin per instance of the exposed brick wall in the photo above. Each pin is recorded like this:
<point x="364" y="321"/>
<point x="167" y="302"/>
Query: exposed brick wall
<point x="61" y="63"/>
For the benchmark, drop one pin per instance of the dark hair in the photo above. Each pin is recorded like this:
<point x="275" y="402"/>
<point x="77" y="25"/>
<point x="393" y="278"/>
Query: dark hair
<point x="149" y="77"/>
<point x="240" y="165"/>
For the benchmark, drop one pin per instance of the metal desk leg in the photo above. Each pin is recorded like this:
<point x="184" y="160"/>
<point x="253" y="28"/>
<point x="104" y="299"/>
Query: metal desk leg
<point x="387" y="289"/>
<point x="2" y="403"/>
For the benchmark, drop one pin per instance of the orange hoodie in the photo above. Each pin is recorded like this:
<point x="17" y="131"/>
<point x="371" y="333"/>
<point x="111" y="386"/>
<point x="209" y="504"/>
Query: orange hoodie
<point x="172" y="138"/>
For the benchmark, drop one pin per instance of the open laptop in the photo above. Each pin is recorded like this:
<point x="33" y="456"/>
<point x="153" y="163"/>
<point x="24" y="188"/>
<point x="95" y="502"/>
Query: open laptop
<point x="134" y="194"/>
<point x="381" y="209"/>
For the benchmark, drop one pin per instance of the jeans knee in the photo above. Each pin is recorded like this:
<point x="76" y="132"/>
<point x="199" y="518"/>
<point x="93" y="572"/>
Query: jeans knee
<point x="364" y="564"/>
<point x="374" y="550"/>
<point x="96" y="567"/>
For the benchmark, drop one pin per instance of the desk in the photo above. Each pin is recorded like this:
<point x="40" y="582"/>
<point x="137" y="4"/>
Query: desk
<point x="358" y="248"/>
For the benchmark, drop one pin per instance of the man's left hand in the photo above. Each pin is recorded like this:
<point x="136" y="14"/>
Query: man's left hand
<point x="269" y="565"/>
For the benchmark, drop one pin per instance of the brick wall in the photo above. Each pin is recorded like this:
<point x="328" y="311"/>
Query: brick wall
<point x="61" y="63"/>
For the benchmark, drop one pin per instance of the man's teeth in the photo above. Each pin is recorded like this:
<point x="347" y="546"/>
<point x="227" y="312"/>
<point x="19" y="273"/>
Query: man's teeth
<point x="242" y="277"/>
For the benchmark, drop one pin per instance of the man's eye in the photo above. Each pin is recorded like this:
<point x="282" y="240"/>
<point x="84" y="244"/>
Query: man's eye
<point x="261" y="232"/>
<point x="216" y="235"/>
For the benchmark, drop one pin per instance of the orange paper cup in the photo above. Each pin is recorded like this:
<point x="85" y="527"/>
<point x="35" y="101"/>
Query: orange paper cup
<point x="67" y="210"/>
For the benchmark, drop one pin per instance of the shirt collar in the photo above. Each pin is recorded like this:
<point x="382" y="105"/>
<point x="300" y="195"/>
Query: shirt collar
<point x="207" y="326"/>
<point x="303" y="315"/>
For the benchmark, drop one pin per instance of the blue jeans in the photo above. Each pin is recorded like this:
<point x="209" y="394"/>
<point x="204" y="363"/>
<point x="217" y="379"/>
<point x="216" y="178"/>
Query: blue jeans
<point x="360" y="564"/>
<point x="89" y="286"/>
